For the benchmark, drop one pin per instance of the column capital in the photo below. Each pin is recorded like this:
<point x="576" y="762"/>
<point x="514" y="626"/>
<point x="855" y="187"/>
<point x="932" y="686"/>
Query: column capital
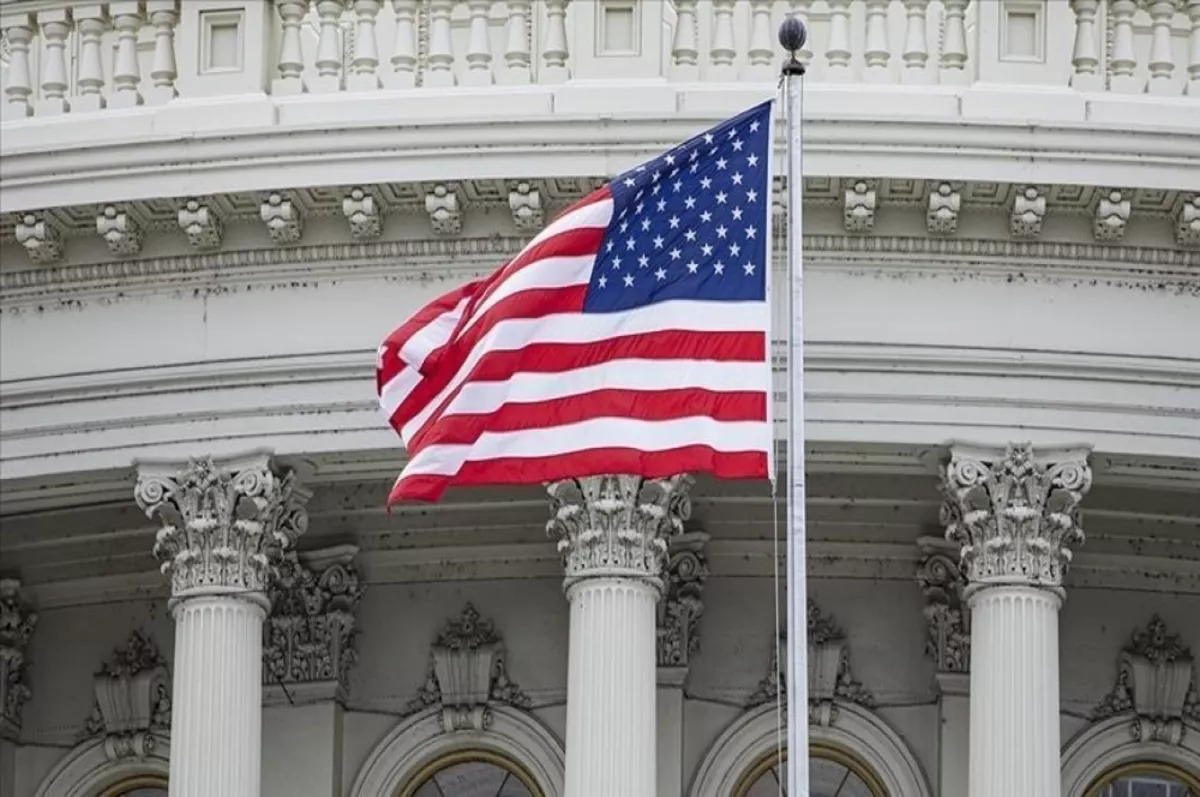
<point x="1014" y="512"/>
<point x="225" y="523"/>
<point x="617" y="526"/>
<point x="17" y="621"/>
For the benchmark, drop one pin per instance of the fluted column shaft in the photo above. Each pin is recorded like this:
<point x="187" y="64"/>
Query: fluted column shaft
<point x="613" y="533"/>
<point x="224" y="528"/>
<point x="1015" y="515"/>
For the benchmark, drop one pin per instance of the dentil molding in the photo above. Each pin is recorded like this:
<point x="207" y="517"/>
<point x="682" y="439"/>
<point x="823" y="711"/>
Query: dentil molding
<point x="17" y="621"/>
<point x="132" y="709"/>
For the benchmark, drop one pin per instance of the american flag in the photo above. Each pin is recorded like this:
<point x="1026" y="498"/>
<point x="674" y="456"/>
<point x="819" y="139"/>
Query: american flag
<point x="629" y="336"/>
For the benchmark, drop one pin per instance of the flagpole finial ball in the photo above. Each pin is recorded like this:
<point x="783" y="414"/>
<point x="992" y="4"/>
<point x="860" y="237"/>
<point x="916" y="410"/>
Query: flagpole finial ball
<point x="792" y="34"/>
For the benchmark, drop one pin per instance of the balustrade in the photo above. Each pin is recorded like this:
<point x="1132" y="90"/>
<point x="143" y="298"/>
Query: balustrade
<point x="77" y="56"/>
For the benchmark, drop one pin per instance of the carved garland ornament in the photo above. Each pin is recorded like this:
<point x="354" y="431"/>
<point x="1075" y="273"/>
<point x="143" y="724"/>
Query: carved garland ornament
<point x="681" y="606"/>
<point x="617" y="525"/>
<point x="224" y="526"/>
<point x="17" y="621"/>
<point x="1016" y="518"/>
<point x="133" y="700"/>
<point x="946" y="613"/>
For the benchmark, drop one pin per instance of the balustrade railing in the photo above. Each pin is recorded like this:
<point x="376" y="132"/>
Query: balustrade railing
<point x="72" y="56"/>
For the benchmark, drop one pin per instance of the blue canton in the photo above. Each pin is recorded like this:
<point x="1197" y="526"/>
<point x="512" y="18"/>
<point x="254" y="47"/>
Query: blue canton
<point x="691" y="224"/>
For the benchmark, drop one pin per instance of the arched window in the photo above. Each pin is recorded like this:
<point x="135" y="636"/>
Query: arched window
<point x="144" y="786"/>
<point x="831" y="773"/>
<point x="472" y="773"/>
<point x="1145" y="780"/>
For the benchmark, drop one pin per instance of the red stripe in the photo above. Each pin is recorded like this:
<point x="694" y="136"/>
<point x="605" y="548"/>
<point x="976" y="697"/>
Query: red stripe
<point x="574" y="242"/>
<point x="392" y="364"/>
<point x="589" y="462"/>
<point x="498" y="366"/>
<point x="646" y="405"/>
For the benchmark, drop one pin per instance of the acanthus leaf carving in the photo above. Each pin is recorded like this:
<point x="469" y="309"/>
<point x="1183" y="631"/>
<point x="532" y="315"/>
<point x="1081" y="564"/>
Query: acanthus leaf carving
<point x="468" y="671"/>
<point x="133" y="700"/>
<point x="945" y="204"/>
<point x="1113" y="210"/>
<point x="283" y="217"/>
<point x="121" y="232"/>
<point x="860" y="202"/>
<point x="681" y="606"/>
<point x="362" y="212"/>
<point x="201" y="224"/>
<point x="225" y="525"/>
<point x="1156" y="684"/>
<point x="1028" y="212"/>
<point x="946" y="612"/>
<point x="617" y="525"/>
<point x="445" y="214"/>
<point x="308" y="637"/>
<point x="525" y="202"/>
<point x="40" y="236"/>
<point x="17" y="621"/>
<point x="1014" y="514"/>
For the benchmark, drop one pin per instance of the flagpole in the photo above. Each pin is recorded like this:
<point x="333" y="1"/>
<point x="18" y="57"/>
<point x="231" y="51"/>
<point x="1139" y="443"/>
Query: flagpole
<point x="792" y="35"/>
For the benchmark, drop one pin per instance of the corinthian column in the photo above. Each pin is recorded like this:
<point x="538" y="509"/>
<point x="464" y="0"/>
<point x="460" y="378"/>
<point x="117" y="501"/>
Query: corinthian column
<point x="225" y="525"/>
<point x="1015" y="514"/>
<point x="613" y="532"/>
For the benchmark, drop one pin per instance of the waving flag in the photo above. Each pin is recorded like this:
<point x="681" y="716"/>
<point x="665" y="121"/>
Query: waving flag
<point x="629" y="336"/>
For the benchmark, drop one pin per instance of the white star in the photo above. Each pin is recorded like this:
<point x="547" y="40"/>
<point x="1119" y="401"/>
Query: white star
<point x="719" y="267"/>
<point x="656" y="176"/>
<point x="676" y="254"/>
<point x="674" y="222"/>
<point x="751" y="231"/>
<point x="706" y="217"/>
<point x="630" y="182"/>
<point x="695" y="154"/>
<point x="737" y="145"/>
<point x="628" y="280"/>
<point x="721" y="197"/>
<point x="751" y="195"/>
<point x="737" y="178"/>
<point x="722" y="163"/>
<point x="674" y="173"/>
<point x="617" y="263"/>
<point x="624" y="226"/>
<point x="641" y="168"/>
<point x="735" y="250"/>
<point x="662" y="205"/>
<point x="640" y="207"/>
<point x="706" y="183"/>
<point x="752" y="160"/>
<point x="609" y="246"/>
<point x="603" y="281"/>
<point x="732" y="132"/>
<point x="754" y="126"/>
<point x="690" y="202"/>
<point x="749" y="268"/>
<point x="670" y="159"/>
<point x="694" y="168"/>
<point x="656" y="189"/>
<point x="708" y="138"/>
<point x="658" y="242"/>
<point x="721" y="231"/>
<point x="737" y="214"/>
<point x="692" y="266"/>
<point x="630" y="244"/>
<point x="645" y="225"/>
<point x="660" y="275"/>
<point x="643" y="261"/>
<point x="691" y="236"/>
<point x="677" y="185"/>
<point x="707" y="250"/>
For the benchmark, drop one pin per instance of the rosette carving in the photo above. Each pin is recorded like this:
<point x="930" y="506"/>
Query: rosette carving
<point x="680" y="609"/>
<point x="1015" y="516"/>
<point x="225" y="525"/>
<point x="17" y="621"/>
<point x="617" y="525"/>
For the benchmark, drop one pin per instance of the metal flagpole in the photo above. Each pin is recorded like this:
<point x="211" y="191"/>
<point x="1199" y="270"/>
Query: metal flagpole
<point x="792" y="36"/>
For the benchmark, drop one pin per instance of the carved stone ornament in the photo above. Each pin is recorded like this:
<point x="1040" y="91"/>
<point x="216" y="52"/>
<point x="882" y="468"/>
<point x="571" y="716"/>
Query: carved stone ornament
<point x="1156" y="684"/>
<point x="681" y="606"/>
<point x="830" y="677"/>
<point x="225" y="524"/>
<point x="467" y="673"/>
<point x="1187" y="222"/>
<point x="309" y="636"/>
<point x="1112" y="216"/>
<point x="445" y="216"/>
<point x="1014" y="514"/>
<point x="945" y="203"/>
<point x="283" y="217"/>
<point x="1028" y="211"/>
<point x="861" y="201"/>
<point x="17" y="621"/>
<point x="362" y="211"/>
<point x="133" y="700"/>
<point x="201" y="224"/>
<point x="120" y="231"/>
<point x="946" y="612"/>
<point x="526" y="205"/>
<point x="40" y="237"/>
<point x="617" y="526"/>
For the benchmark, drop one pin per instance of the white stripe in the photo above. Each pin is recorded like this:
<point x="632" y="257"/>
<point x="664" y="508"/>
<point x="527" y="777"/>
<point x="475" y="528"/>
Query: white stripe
<point x="551" y="272"/>
<point x="433" y="335"/>
<point x="397" y="389"/>
<point x="627" y="374"/>
<point x="597" y="214"/>
<point x="727" y="436"/>
<point x="680" y="314"/>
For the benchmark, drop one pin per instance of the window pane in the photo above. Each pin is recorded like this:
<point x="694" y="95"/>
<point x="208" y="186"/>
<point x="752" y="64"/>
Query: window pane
<point x="827" y="778"/>
<point x="473" y="779"/>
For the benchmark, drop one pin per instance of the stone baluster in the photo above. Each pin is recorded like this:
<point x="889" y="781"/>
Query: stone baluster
<point x="364" y="69"/>
<point x="55" y="25"/>
<point x="479" y="46"/>
<point x="1015" y="515"/>
<point x="554" y="50"/>
<point x="1124" y="59"/>
<point x="878" y="50"/>
<point x="164" y="16"/>
<point x="916" y="42"/>
<point x="329" y="47"/>
<point x="404" y="51"/>
<point x="1085" y="57"/>
<point x="800" y="9"/>
<point x="1193" y="68"/>
<point x="127" y="72"/>
<point x="441" y="44"/>
<point x="516" y="51"/>
<point x="837" y="53"/>
<point x="613" y="533"/>
<point x="18" y="29"/>
<point x="952" y="68"/>
<point x="224" y="528"/>
<point x="1162" y="61"/>
<point x="724" y="48"/>
<point x="685" y="49"/>
<point x="762" y="47"/>
<point x="91" y="22"/>
<point x="291" y="51"/>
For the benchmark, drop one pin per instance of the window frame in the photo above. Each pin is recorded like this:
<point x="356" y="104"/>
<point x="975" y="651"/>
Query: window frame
<point x="1154" y="769"/>
<point x="470" y="756"/>
<point x="826" y="752"/>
